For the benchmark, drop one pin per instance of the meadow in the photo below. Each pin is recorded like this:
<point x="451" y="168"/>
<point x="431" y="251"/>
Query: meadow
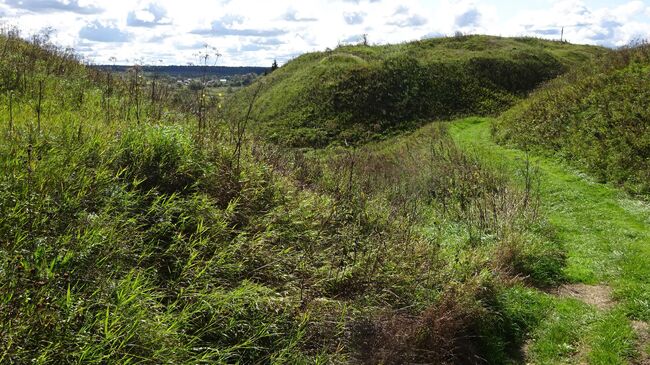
<point x="144" y="224"/>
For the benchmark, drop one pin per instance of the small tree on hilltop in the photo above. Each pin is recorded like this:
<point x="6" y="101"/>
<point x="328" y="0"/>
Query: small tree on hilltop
<point x="274" y="66"/>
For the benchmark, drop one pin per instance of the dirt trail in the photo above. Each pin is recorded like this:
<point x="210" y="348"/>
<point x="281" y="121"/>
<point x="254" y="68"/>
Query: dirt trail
<point x="642" y="330"/>
<point x="599" y="296"/>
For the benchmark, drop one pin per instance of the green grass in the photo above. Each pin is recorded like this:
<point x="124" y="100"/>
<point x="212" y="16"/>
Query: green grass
<point x="607" y="239"/>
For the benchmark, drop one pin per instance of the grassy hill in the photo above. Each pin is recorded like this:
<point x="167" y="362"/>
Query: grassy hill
<point x="597" y="117"/>
<point x="144" y="224"/>
<point x="136" y="226"/>
<point x="356" y="93"/>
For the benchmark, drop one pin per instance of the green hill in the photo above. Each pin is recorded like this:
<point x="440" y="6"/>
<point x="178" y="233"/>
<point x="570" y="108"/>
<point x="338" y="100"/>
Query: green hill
<point x="355" y="93"/>
<point x="141" y="223"/>
<point x="596" y="117"/>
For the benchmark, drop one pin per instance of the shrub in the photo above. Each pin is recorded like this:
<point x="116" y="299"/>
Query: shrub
<point x="159" y="157"/>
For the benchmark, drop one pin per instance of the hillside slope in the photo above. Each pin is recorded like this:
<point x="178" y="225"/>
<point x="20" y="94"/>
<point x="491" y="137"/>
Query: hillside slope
<point x="597" y="117"/>
<point x="354" y="93"/>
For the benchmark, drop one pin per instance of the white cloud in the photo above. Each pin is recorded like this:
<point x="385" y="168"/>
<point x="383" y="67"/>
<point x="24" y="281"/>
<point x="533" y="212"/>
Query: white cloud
<point x="150" y="16"/>
<point x="608" y="26"/>
<point x="53" y="6"/>
<point x="253" y="32"/>
<point x="354" y="18"/>
<point x="103" y="32"/>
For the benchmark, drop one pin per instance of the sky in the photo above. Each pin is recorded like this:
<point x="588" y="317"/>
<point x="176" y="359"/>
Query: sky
<point x="255" y="32"/>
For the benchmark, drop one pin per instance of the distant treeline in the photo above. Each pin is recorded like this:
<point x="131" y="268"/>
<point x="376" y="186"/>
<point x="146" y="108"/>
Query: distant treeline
<point x="190" y="71"/>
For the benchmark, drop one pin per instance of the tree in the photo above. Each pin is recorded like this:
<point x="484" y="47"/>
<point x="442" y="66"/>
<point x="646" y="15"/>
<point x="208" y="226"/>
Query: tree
<point x="274" y="66"/>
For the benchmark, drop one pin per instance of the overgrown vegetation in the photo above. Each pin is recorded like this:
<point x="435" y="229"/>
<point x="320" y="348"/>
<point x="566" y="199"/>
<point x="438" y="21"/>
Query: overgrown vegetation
<point x="358" y="93"/>
<point x="596" y="117"/>
<point x="136" y="228"/>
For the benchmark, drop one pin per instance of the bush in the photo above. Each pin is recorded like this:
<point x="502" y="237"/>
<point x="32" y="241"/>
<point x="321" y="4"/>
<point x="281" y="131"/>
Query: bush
<point x="159" y="157"/>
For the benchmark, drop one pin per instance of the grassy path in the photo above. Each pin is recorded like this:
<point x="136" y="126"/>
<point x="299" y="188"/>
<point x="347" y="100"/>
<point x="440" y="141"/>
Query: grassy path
<point x="607" y="239"/>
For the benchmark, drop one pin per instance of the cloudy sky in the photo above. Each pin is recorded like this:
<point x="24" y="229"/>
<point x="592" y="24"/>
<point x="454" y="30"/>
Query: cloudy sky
<point x="254" y="32"/>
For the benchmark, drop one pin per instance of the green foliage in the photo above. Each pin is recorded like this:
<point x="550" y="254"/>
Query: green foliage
<point x="358" y="93"/>
<point x="158" y="157"/>
<point x="596" y="117"/>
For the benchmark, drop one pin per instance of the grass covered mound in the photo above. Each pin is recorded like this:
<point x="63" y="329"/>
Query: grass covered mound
<point x="597" y="117"/>
<point x="355" y="93"/>
<point x="132" y="233"/>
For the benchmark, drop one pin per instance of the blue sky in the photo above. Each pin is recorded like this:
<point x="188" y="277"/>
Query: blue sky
<point x="254" y="32"/>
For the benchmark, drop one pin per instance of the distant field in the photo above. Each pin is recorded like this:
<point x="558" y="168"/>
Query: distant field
<point x="188" y="71"/>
